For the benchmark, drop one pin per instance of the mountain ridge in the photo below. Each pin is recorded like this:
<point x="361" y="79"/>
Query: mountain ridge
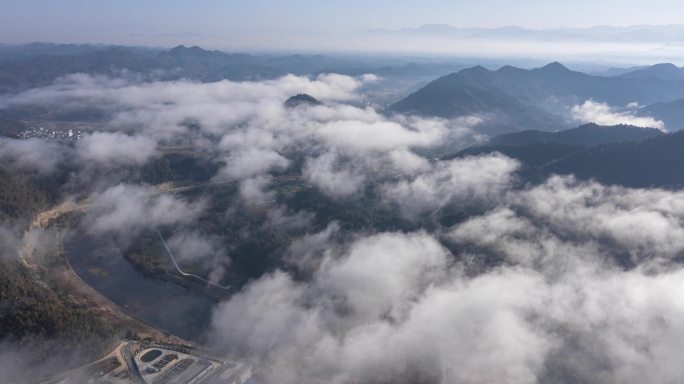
<point x="529" y="99"/>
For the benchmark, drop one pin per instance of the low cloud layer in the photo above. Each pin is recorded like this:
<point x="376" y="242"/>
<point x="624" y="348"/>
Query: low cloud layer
<point x="33" y="155"/>
<point x="116" y="148"/>
<point x="558" y="281"/>
<point x="584" y="289"/>
<point x="603" y="114"/>
<point x="128" y="208"/>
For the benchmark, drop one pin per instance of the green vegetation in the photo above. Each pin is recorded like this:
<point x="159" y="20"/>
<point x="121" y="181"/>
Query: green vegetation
<point x="19" y="198"/>
<point x="39" y="322"/>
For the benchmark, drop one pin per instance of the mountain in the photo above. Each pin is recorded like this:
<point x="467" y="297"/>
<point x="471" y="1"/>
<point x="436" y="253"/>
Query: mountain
<point x="535" y="148"/>
<point x="208" y="66"/>
<point x="672" y="113"/>
<point x="479" y="91"/>
<point x="16" y="52"/>
<point x="654" y="162"/>
<point x="618" y="155"/>
<point x="41" y="70"/>
<point x="34" y="65"/>
<point x="513" y="98"/>
<point x="588" y="135"/>
<point x="664" y="71"/>
<point x="301" y="99"/>
<point x="618" y="71"/>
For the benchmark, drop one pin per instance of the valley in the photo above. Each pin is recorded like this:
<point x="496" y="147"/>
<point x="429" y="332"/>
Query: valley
<point x="189" y="215"/>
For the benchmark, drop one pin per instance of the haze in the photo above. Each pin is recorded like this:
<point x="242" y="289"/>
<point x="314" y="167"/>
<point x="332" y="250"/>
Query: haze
<point x="345" y="192"/>
<point x="324" y="27"/>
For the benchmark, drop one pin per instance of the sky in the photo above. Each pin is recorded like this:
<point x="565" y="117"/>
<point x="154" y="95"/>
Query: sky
<point x="315" y="26"/>
<point x="22" y="20"/>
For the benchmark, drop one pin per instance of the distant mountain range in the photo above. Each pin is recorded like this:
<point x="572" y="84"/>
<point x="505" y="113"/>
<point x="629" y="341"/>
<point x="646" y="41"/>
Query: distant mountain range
<point x="665" y="71"/>
<point x="509" y="99"/>
<point x="622" y="155"/>
<point x="513" y="99"/>
<point x="631" y="34"/>
<point x="33" y="65"/>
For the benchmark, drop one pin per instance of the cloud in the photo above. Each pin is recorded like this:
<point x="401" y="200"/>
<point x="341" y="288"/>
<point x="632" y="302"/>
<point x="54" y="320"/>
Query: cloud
<point x="116" y="148"/>
<point x="250" y="162"/>
<point x="380" y="136"/>
<point x="255" y="190"/>
<point x="245" y="127"/>
<point x="16" y="241"/>
<point x="602" y="114"/>
<point x="534" y="288"/>
<point x="389" y="307"/>
<point x="193" y="246"/>
<point x="32" y="155"/>
<point x="559" y="280"/>
<point x="129" y="208"/>
<point x="285" y="219"/>
<point x="468" y="181"/>
<point x="332" y="175"/>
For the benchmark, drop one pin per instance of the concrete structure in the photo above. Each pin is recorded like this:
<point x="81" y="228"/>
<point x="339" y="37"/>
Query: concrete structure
<point x="177" y="364"/>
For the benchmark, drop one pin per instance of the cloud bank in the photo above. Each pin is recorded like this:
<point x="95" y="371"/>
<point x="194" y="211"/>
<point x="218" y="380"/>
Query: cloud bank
<point x="603" y="114"/>
<point x="584" y="287"/>
<point x="559" y="281"/>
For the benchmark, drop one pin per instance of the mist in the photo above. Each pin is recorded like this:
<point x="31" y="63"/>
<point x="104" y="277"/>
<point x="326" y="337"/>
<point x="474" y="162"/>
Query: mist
<point x="564" y="280"/>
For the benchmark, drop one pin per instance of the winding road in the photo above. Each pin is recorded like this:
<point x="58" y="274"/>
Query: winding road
<point x="183" y="273"/>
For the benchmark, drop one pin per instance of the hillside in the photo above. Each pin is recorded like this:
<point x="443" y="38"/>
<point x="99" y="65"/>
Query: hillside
<point x="514" y="98"/>
<point x="588" y="134"/>
<point x="651" y="163"/>
<point x="672" y="113"/>
<point x="665" y="71"/>
<point x="612" y="155"/>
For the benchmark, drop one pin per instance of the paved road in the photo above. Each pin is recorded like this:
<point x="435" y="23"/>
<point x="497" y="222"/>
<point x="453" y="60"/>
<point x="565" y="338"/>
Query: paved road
<point x="183" y="273"/>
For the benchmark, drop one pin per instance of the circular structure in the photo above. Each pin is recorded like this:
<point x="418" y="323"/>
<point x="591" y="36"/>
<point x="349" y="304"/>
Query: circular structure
<point x="150" y="355"/>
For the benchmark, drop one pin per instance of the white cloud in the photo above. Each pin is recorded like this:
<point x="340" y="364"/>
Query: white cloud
<point x="333" y="177"/>
<point x="564" y="279"/>
<point x="250" y="162"/>
<point x="116" y="148"/>
<point x="468" y="181"/>
<point x="128" y="208"/>
<point x="603" y="114"/>
<point x="32" y="155"/>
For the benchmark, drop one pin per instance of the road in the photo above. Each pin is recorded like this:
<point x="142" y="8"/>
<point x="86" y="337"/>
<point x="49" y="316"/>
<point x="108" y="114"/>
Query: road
<point x="183" y="273"/>
<point x="132" y="366"/>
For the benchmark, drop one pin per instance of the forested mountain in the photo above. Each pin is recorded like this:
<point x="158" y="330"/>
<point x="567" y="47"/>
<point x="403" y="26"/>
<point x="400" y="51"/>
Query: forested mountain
<point x="588" y="134"/>
<point x="27" y="66"/>
<point x="514" y="99"/>
<point x="622" y="155"/>
<point x="654" y="162"/>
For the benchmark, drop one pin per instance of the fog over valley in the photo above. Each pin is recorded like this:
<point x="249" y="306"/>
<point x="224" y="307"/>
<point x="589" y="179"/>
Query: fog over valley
<point x="508" y="213"/>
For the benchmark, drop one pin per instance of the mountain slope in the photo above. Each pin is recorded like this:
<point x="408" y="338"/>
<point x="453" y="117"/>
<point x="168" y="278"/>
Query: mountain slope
<point x="672" y="113"/>
<point x="588" y="135"/>
<point x="41" y="70"/>
<point x="629" y="161"/>
<point x="479" y="91"/>
<point x="516" y="98"/>
<point x="651" y="163"/>
<point x="301" y="99"/>
<point x="665" y="71"/>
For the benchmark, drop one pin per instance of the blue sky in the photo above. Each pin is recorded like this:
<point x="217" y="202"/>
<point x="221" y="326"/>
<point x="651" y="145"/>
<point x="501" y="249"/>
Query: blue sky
<point x="214" y="22"/>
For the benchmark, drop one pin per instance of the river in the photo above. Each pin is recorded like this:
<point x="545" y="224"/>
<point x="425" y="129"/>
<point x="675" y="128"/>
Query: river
<point x="100" y="263"/>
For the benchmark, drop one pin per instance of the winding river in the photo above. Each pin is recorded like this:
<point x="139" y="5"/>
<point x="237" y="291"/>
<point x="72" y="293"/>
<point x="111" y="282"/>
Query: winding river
<point x="175" y="309"/>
